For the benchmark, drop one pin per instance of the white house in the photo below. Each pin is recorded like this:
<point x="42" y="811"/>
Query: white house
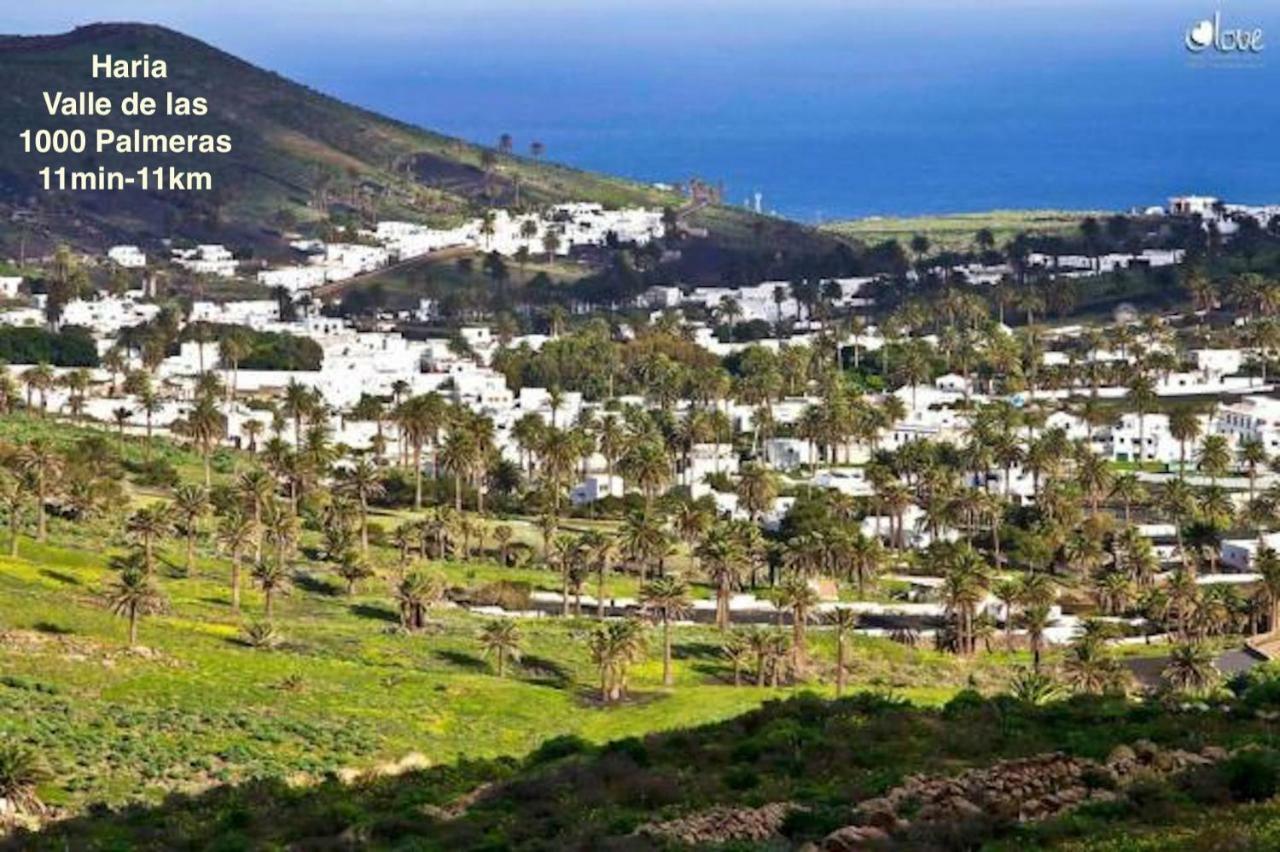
<point x="129" y="257"/>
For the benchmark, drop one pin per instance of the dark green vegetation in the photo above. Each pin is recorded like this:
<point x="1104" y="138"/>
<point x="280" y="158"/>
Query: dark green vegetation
<point x="822" y="755"/>
<point x="70" y="347"/>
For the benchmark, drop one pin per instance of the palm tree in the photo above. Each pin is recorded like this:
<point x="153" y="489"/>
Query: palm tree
<point x="1184" y="427"/>
<point x="13" y="499"/>
<point x="415" y="593"/>
<point x="1267" y="564"/>
<point x="146" y="527"/>
<point x="647" y="465"/>
<point x="1142" y="400"/>
<point x="190" y="503"/>
<point x="419" y="419"/>
<point x="843" y="621"/>
<point x="615" y="646"/>
<point x="236" y="531"/>
<point x="1035" y="619"/>
<point x="665" y="599"/>
<point x="272" y="577"/>
<point x="1190" y="669"/>
<point x="134" y="595"/>
<point x="1214" y="458"/>
<point x="866" y="558"/>
<point x="43" y="464"/>
<point x="1253" y="454"/>
<point x="206" y="425"/>
<point x="737" y="652"/>
<point x="757" y="489"/>
<point x="800" y="598"/>
<point x="1089" y="668"/>
<point x="501" y="637"/>
<point x="352" y="568"/>
<point x="722" y="559"/>
<point x="1128" y="489"/>
<point x="363" y="482"/>
<point x="22" y="770"/>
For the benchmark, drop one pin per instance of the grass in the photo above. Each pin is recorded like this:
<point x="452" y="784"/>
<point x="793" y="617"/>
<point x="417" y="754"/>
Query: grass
<point x="346" y="690"/>
<point x="956" y="231"/>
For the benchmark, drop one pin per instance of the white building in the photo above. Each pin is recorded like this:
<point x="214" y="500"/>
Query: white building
<point x="129" y="257"/>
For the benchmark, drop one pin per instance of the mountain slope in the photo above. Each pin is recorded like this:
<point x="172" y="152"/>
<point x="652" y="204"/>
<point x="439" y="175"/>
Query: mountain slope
<point x="295" y="153"/>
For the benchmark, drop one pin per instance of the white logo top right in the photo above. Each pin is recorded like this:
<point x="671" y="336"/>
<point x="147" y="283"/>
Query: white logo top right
<point x="1210" y="35"/>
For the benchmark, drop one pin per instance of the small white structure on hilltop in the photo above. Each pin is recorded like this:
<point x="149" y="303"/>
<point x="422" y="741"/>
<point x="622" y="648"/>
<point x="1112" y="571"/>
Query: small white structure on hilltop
<point x="210" y="259"/>
<point x="10" y="286"/>
<point x="128" y="257"/>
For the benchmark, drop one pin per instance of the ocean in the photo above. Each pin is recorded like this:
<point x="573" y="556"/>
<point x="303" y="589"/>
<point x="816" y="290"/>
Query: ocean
<point x="827" y="109"/>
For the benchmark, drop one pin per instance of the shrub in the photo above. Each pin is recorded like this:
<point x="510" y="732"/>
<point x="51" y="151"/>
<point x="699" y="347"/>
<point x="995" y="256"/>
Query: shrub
<point x="557" y="748"/>
<point x="156" y="473"/>
<point x="508" y="594"/>
<point x="1253" y="774"/>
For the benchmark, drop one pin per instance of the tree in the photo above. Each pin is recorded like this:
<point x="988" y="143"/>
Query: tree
<point x="43" y="464"/>
<point x="757" y="489"/>
<point x="799" y="597"/>
<point x="501" y="638"/>
<point x="133" y="596"/>
<point x="1035" y="618"/>
<point x="272" y="577"/>
<point x="1214" y="458"/>
<point x="352" y="568"/>
<point x="206" y="425"/>
<point x="1089" y="668"/>
<point x="737" y="652"/>
<point x="1142" y="400"/>
<point x="415" y="593"/>
<point x="1184" y="427"/>
<point x="146" y="527"/>
<point x="843" y="621"/>
<point x="13" y="499"/>
<point x="1190" y="669"/>
<point x="665" y="599"/>
<point x="363" y="482"/>
<point x="236" y="531"/>
<point x="190" y="504"/>
<point x="419" y="420"/>
<point x="1267" y="564"/>
<point x="722" y="558"/>
<point x="615" y="646"/>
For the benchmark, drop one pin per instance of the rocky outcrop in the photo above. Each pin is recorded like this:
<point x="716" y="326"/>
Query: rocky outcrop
<point x="1023" y="790"/>
<point x="721" y="825"/>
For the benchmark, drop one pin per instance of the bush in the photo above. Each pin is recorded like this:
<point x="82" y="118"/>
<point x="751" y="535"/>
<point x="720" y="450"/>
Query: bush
<point x="557" y="748"/>
<point x="156" y="473"/>
<point x="508" y="594"/>
<point x="1253" y="774"/>
<point x="964" y="702"/>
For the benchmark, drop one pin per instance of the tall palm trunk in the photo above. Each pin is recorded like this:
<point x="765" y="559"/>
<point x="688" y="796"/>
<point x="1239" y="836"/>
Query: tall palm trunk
<point x="667" y="678"/>
<point x="235" y="580"/>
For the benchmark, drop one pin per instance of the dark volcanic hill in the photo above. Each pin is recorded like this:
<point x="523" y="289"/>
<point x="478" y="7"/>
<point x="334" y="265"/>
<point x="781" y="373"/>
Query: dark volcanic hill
<point x="295" y="153"/>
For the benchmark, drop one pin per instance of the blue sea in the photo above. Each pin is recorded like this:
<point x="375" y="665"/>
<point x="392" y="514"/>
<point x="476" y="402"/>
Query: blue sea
<point x="827" y="109"/>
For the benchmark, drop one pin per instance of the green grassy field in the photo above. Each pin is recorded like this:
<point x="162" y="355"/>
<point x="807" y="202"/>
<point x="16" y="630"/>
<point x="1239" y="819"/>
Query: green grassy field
<point x="957" y="231"/>
<point x="347" y="689"/>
